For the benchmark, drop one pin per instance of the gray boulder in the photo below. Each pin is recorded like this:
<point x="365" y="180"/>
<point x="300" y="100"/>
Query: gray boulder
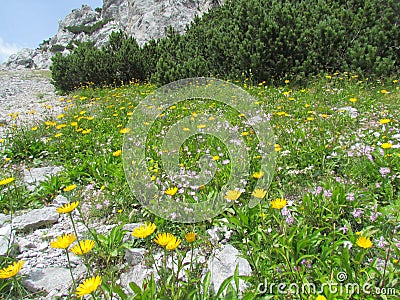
<point x="222" y="264"/>
<point x="33" y="176"/>
<point x="35" y="219"/>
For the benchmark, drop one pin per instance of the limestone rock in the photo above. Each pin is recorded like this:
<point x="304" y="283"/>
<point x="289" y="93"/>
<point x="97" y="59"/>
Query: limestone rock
<point x="34" y="176"/>
<point x="143" y="19"/>
<point x="137" y="274"/>
<point x="35" y="219"/>
<point x="6" y="239"/>
<point x="60" y="200"/>
<point x="134" y="256"/>
<point x="4" y="219"/>
<point x="222" y="264"/>
<point x="52" y="281"/>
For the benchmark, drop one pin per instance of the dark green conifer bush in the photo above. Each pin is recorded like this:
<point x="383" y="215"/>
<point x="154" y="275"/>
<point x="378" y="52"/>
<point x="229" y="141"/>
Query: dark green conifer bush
<point x="261" y="39"/>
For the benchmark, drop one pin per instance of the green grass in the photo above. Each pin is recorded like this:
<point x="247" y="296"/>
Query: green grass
<point x="330" y="168"/>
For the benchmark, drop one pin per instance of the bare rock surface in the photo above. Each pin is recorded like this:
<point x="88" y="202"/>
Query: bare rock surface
<point x="26" y="96"/>
<point x="143" y="19"/>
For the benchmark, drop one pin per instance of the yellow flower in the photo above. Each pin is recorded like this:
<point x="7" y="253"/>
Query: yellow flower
<point x="278" y="147"/>
<point x="364" y="242"/>
<point x="259" y="193"/>
<point x="386" y="145"/>
<point x="63" y="241"/>
<point x="232" y="195"/>
<point x="163" y="238"/>
<point x="171" y="191"/>
<point x="384" y="92"/>
<point x="258" y="174"/>
<point x="287" y="81"/>
<point x="384" y="121"/>
<point x="216" y="157"/>
<point x="86" y="131"/>
<point x="75" y="124"/>
<point x="6" y="181"/>
<point x="34" y="128"/>
<point x="69" y="188"/>
<point x="278" y="203"/>
<point x="88" y="286"/>
<point x="60" y="116"/>
<point x="201" y="126"/>
<point x="190" y="237"/>
<point x="173" y="243"/>
<point x="67" y="208"/>
<point x="11" y="270"/>
<point x="61" y="126"/>
<point x="125" y="130"/>
<point x="320" y="297"/>
<point x="58" y="135"/>
<point x="353" y="100"/>
<point x="143" y="231"/>
<point x="50" y="123"/>
<point x="117" y="153"/>
<point x="83" y="247"/>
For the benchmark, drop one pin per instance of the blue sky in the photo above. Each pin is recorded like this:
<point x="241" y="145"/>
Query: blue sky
<point x="26" y="23"/>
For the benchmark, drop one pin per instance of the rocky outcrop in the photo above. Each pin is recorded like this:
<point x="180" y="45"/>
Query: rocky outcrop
<point x="143" y="19"/>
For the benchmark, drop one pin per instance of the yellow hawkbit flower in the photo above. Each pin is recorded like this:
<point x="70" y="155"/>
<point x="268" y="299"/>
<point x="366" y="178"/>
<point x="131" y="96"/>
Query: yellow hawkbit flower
<point x="11" y="270"/>
<point x="143" y="231"/>
<point x="60" y="116"/>
<point x="364" y="242"/>
<point x="278" y="147"/>
<point x="69" y="188"/>
<point x="173" y="243"/>
<point x="82" y="247"/>
<point x="201" y="126"/>
<point x="278" y="203"/>
<point x="385" y="92"/>
<point x="320" y="297"/>
<point x="190" y="237"/>
<point x="258" y="174"/>
<point x="125" y="130"/>
<point x="163" y="238"/>
<point x="63" y="241"/>
<point x="86" y="131"/>
<point x="58" y="135"/>
<point x="7" y="180"/>
<point x="117" y="153"/>
<point x="67" y="208"/>
<point x="216" y="157"/>
<point x="232" y="195"/>
<point x="386" y="145"/>
<point x="34" y="128"/>
<point x="88" y="286"/>
<point x="384" y="121"/>
<point x="171" y="191"/>
<point x="353" y="100"/>
<point x="259" y="193"/>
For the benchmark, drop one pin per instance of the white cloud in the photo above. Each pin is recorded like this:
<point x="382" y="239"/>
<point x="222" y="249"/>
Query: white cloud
<point x="6" y="49"/>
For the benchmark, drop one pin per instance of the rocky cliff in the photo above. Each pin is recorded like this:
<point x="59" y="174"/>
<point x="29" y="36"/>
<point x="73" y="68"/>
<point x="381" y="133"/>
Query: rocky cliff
<point x="143" y="19"/>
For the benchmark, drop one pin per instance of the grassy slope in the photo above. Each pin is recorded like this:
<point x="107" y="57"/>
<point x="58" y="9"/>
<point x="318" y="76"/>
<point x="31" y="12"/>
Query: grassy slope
<point x="329" y="169"/>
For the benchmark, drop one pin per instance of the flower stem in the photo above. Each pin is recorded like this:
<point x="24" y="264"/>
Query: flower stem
<point x="70" y="270"/>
